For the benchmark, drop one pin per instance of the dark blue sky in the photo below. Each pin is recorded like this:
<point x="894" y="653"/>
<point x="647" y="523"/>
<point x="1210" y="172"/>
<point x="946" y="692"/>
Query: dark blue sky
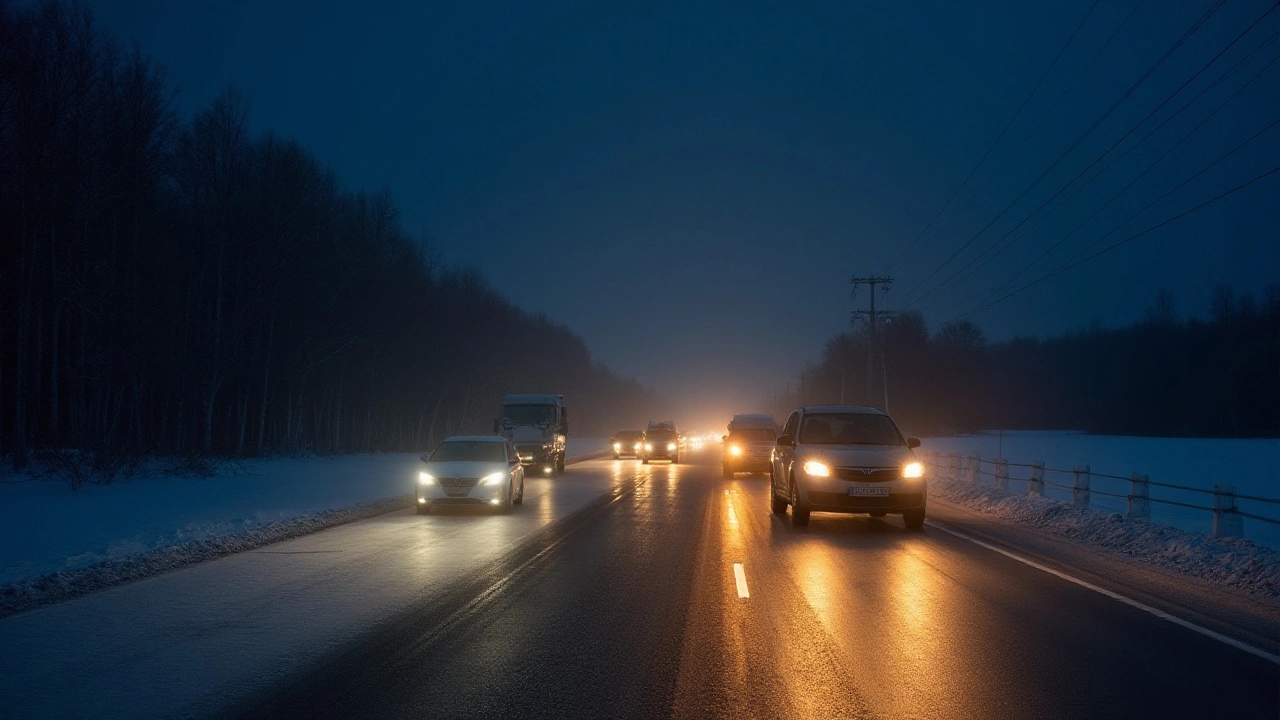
<point x="690" y="188"/>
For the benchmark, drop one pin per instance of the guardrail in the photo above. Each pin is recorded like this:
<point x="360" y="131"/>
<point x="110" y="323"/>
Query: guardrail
<point x="1228" y="518"/>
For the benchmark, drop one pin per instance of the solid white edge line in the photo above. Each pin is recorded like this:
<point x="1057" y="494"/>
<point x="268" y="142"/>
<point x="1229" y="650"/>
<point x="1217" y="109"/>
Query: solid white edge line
<point x="733" y="516"/>
<point x="741" y="577"/>
<point x="1269" y="657"/>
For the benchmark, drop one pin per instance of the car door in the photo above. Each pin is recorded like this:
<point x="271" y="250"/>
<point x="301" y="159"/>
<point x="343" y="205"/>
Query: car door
<point x="783" y="456"/>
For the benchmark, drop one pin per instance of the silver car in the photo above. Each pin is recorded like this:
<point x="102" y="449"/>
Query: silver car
<point x="846" y="459"/>
<point x="471" y="470"/>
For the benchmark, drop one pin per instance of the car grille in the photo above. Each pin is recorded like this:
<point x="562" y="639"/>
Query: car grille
<point x="457" y="487"/>
<point x="873" y="474"/>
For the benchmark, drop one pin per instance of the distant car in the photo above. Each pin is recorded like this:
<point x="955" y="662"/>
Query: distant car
<point x="846" y="459"/>
<point x="749" y="445"/>
<point x="627" y="443"/>
<point x="471" y="470"/>
<point x="661" y="442"/>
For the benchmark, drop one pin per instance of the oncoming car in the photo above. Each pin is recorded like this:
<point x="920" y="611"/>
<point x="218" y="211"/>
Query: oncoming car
<point x="628" y="443"/>
<point x="846" y="459"/>
<point x="661" y="442"/>
<point x="471" y="470"/>
<point x="749" y="445"/>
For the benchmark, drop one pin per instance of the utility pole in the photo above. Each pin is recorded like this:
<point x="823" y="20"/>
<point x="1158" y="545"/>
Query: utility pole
<point x="871" y="316"/>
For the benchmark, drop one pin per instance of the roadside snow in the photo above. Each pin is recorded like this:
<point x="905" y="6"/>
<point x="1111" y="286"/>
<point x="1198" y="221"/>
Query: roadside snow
<point x="55" y="543"/>
<point x="1235" y="563"/>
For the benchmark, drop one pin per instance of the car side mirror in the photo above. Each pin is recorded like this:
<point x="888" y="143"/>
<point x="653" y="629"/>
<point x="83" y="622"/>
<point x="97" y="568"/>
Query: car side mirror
<point x="913" y="442"/>
<point x="786" y="441"/>
<point x="424" y="458"/>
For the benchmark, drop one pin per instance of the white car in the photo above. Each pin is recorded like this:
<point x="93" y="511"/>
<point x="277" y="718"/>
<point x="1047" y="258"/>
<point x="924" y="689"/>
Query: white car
<point x="471" y="470"/>
<point x="846" y="459"/>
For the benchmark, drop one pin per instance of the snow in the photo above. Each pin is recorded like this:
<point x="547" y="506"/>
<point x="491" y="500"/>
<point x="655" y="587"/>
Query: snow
<point x="1252" y="466"/>
<point x="137" y="525"/>
<point x="1228" y="562"/>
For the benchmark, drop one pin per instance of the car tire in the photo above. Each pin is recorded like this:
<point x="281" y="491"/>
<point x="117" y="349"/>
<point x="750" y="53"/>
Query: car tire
<point x="520" y="498"/>
<point x="779" y="505"/>
<point x="505" y="507"/>
<point x="728" y="471"/>
<point x="423" y="508"/>
<point x="799" y="514"/>
<point x="913" y="519"/>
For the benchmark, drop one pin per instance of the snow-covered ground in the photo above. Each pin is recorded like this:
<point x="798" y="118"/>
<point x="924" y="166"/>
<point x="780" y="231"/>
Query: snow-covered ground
<point x="1253" y="466"/>
<point x="45" y="527"/>
<point x="1228" y="562"/>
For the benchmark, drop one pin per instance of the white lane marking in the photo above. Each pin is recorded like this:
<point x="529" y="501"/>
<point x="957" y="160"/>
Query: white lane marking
<point x="733" y="516"/>
<point x="741" y="577"/>
<point x="1269" y="657"/>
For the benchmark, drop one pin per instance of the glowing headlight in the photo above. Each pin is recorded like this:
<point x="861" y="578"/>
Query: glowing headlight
<point x="735" y="450"/>
<point x="426" y="479"/>
<point x="648" y="446"/>
<point x="617" y="447"/>
<point x="913" y="470"/>
<point x="494" y="479"/>
<point x="671" y="446"/>
<point x="637" y="446"/>
<point x="816" y="469"/>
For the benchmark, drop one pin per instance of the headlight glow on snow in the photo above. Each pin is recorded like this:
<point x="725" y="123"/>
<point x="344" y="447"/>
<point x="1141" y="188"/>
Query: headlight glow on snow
<point x="913" y="470"/>
<point x="735" y="450"/>
<point x="816" y="469"/>
<point x="426" y="479"/>
<point x="492" y="479"/>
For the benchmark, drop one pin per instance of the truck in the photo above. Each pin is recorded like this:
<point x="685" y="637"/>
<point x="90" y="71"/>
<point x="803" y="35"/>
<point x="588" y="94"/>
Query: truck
<point x="749" y="445"/>
<point x="538" y="426"/>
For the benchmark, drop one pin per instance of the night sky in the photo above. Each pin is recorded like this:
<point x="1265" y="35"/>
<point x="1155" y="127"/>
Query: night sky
<point x="690" y="188"/>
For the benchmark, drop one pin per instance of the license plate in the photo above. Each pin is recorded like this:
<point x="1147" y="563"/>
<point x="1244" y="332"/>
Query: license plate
<point x="869" y="491"/>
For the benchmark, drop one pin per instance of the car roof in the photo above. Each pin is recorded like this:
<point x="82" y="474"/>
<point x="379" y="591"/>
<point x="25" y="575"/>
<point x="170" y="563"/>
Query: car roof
<point x="858" y="409"/>
<point x="475" y="438"/>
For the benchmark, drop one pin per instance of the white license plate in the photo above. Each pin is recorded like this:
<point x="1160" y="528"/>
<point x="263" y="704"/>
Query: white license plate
<point x="869" y="491"/>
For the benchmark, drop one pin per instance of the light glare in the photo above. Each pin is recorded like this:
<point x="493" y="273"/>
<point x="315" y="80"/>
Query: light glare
<point x="816" y="469"/>
<point x="913" y="470"/>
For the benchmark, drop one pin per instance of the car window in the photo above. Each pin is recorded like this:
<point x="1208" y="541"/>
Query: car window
<point x="469" y="450"/>
<point x="752" y="435"/>
<point x="792" y="421"/>
<point x="849" y="429"/>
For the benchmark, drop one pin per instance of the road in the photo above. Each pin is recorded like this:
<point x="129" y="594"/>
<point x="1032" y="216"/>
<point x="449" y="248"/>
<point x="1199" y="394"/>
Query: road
<point x="680" y="595"/>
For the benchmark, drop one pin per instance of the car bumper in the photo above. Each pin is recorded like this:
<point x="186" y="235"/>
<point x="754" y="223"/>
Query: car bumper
<point x="827" y="495"/>
<point x="430" y="495"/>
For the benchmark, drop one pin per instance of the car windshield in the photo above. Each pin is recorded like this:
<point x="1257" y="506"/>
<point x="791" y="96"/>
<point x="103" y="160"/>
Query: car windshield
<point x="529" y="414"/>
<point x="849" y="429"/>
<point x="752" y="435"/>
<point x="469" y="450"/>
<point x="661" y="435"/>
<point x="627" y="435"/>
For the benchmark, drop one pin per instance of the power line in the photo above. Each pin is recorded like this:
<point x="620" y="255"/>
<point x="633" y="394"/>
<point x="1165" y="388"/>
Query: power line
<point x="1100" y="119"/>
<point x="937" y="288"/>
<point x="999" y="137"/>
<point x="1076" y="263"/>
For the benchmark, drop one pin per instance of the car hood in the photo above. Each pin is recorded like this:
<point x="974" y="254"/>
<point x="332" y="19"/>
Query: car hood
<point x="856" y="455"/>
<point x="464" y="468"/>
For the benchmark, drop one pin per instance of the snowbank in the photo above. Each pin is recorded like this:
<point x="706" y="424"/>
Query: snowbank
<point x="1235" y="563"/>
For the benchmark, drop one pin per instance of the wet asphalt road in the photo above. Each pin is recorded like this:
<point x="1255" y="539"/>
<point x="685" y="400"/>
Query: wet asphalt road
<point x="631" y="608"/>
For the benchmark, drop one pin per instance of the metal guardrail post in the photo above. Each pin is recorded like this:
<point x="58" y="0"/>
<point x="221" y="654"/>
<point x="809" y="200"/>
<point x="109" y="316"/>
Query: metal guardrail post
<point x="1140" y="497"/>
<point x="1226" y="513"/>
<point x="1035" y="484"/>
<point x="1002" y="474"/>
<point x="1080" y="489"/>
<point x="972" y="462"/>
<point x="954" y="466"/>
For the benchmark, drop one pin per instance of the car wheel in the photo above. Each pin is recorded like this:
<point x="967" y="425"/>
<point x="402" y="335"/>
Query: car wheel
<point x="424" y="508"/>
<point x="505" y="507"/>
<point x="799" y="514"/>
<point x="728" y="471"/>
<point x="913" y="519"/>
<point x="520" y="498"/>
<point x="779" y="504"/>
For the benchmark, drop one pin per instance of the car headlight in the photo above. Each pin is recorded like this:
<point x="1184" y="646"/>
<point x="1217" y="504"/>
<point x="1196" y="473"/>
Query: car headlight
<point x="913" y="470"/>
<point x="735" y="450"/>
<point x="816" y="469"/>
<point x="494" y="479"/>
<point x="617" y="447"/>
<point x="637" y="446"/>
<point x="648" y="446"/>
<point x="426" y="479"/>
<point x="671" y="446"/>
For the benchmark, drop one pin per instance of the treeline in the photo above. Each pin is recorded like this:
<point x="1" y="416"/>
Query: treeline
<point x="1159" y="377"/>
<point x="187" y="286"/>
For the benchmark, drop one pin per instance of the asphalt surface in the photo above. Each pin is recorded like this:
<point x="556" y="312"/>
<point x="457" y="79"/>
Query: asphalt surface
<point x="632" y="607"/>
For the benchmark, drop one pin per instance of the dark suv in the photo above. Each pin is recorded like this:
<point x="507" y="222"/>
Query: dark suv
<point x="627" y="442"/>
<point x="661" y="442"/>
